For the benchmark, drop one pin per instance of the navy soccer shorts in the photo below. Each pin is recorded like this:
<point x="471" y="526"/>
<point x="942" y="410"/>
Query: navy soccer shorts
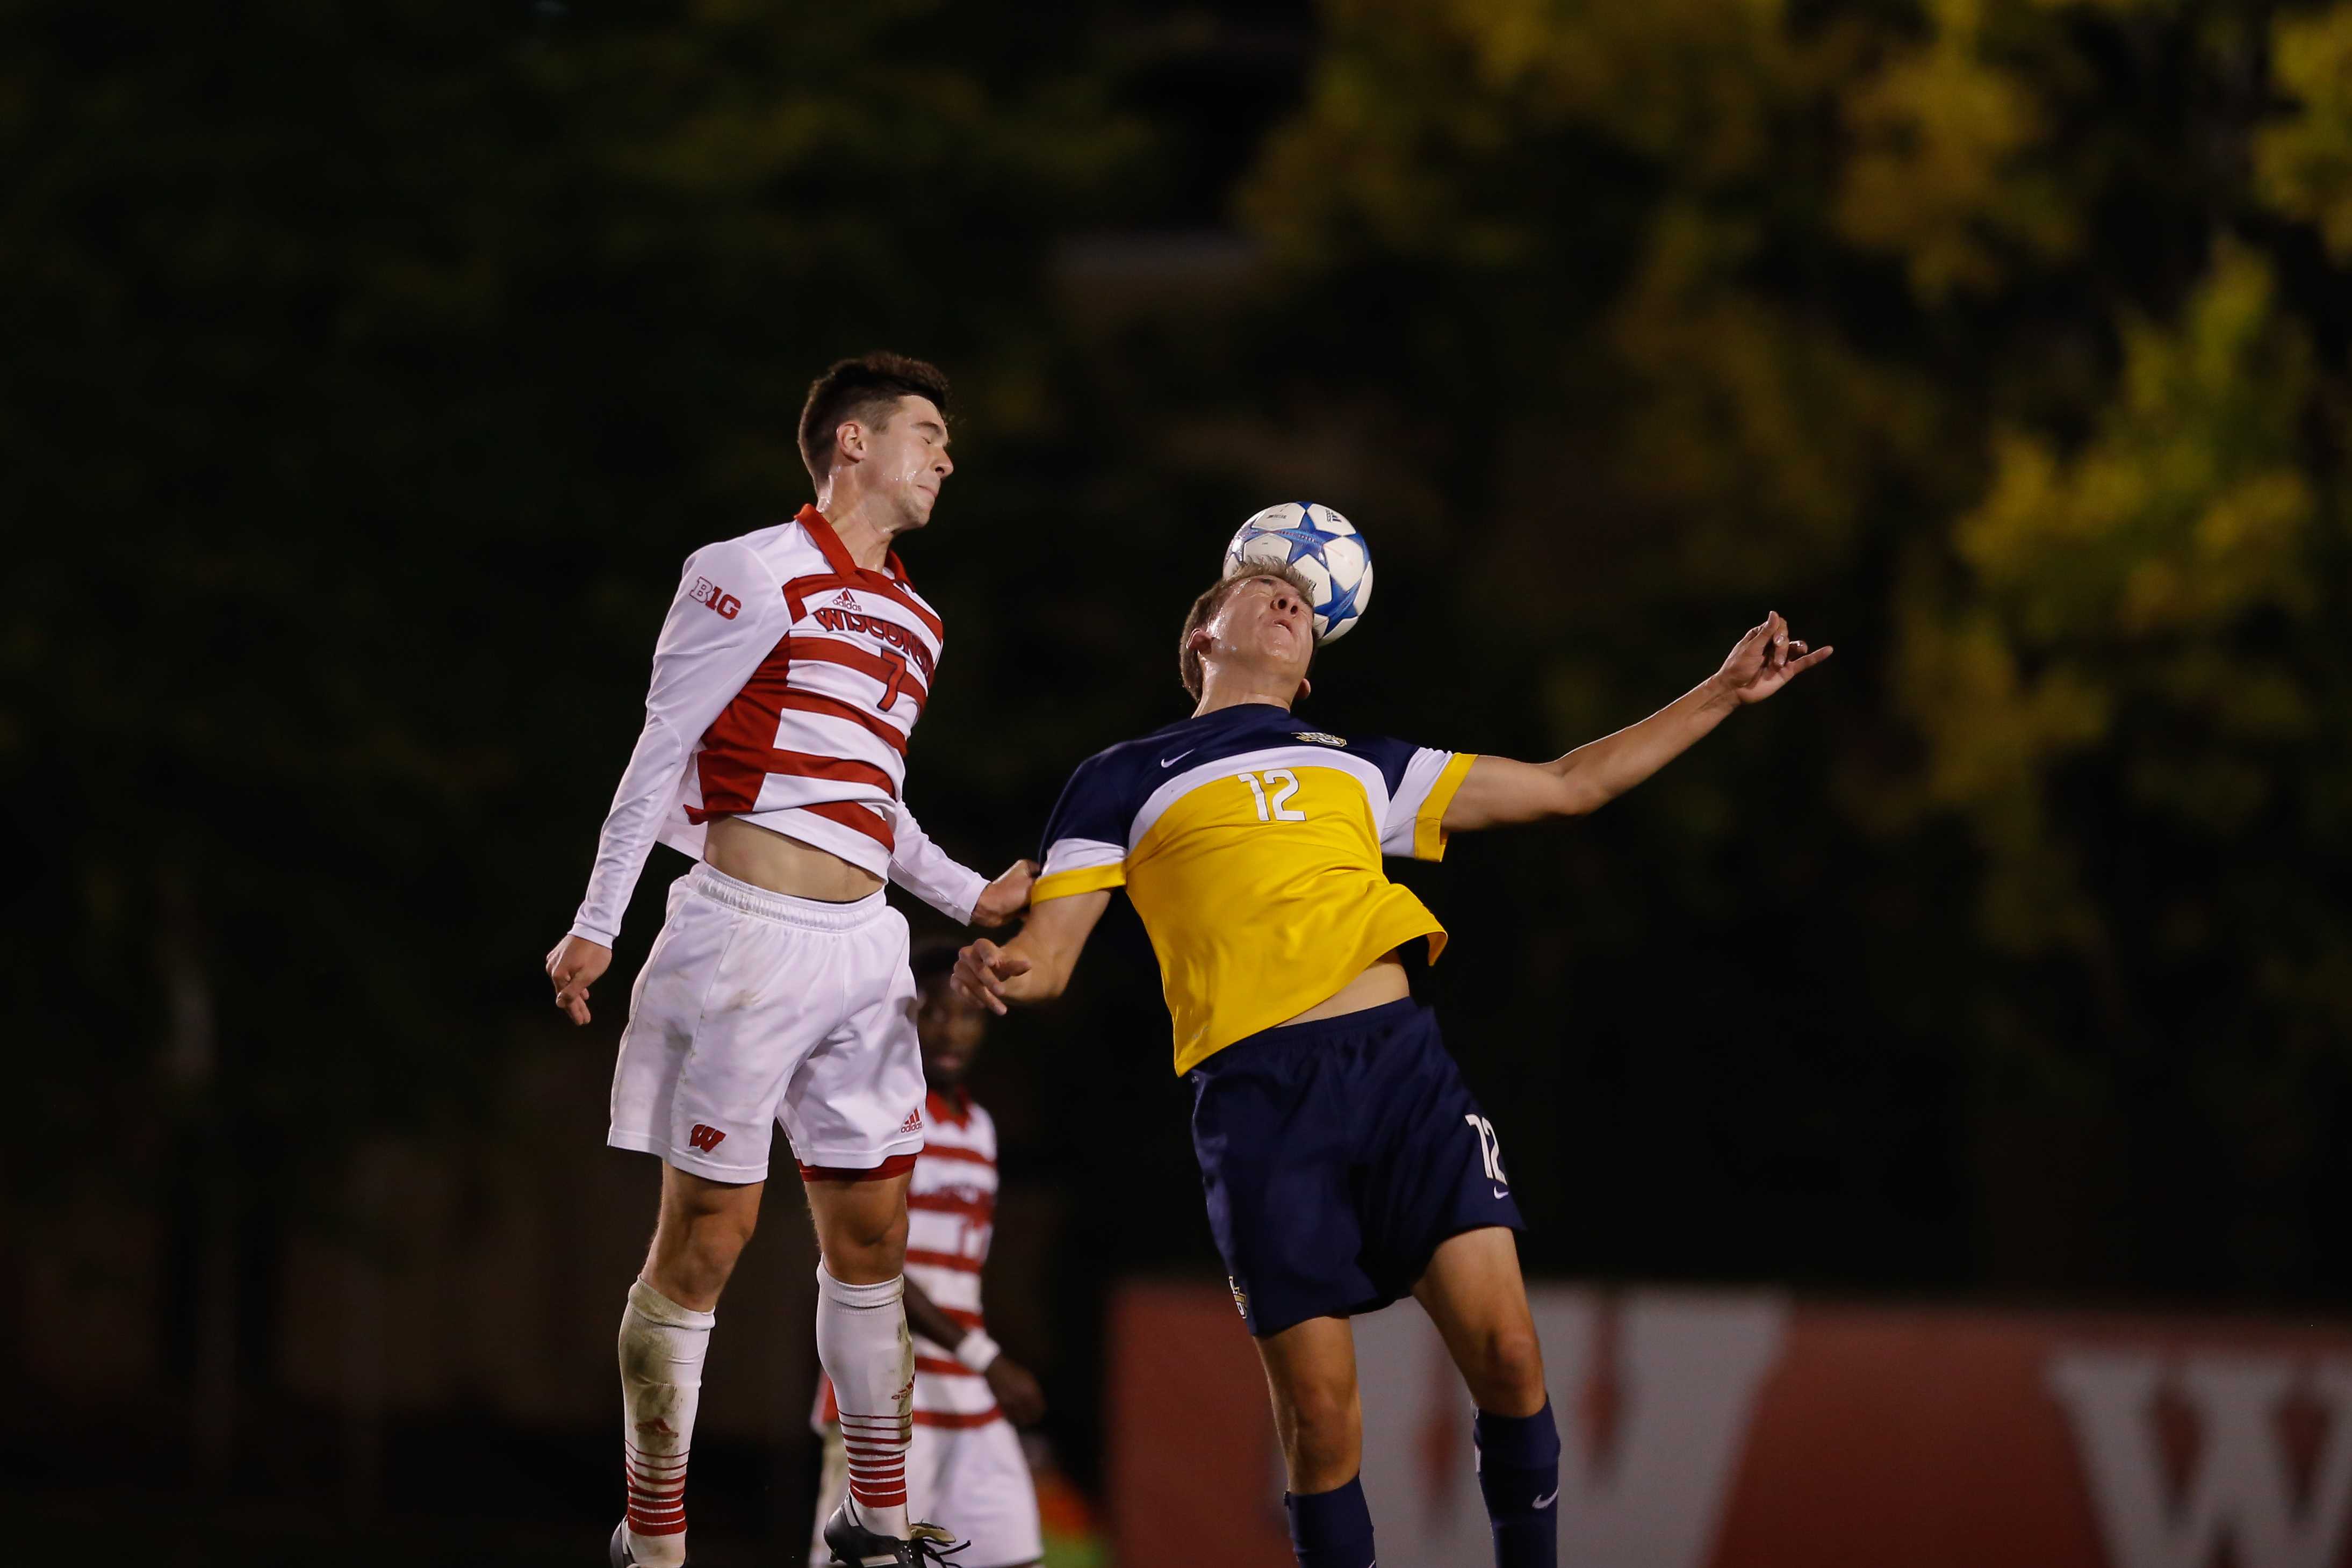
<point x="1335" y="1155"/>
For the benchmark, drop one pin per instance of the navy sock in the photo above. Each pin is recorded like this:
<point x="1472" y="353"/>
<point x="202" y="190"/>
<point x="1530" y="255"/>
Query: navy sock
<point x="1333" y="1528"/>
<point x="1518" y="1472"/>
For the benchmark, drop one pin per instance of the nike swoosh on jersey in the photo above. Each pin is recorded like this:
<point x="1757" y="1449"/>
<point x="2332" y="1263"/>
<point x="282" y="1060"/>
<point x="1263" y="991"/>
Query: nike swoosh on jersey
<point x="1172" y="762"/>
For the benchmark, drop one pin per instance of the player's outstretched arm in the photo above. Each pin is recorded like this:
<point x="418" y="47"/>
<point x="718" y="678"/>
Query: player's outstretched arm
<point x="1497" y="791"/>
<point x="1035" y="965"/>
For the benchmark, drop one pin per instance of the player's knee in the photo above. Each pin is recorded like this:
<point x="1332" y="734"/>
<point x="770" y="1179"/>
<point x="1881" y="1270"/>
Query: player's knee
<point x="1324" y="1436"/>
<point x="1508" y="1374"/>
<point x="862" y="1249"/>
<point x="694" y="1253"/>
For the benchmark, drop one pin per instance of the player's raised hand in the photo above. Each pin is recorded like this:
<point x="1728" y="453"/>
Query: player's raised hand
<point x="982" y="969"/>
<point x="1764" y="660"/>
<point x="575" y="965"/>
<point x="1005" y="897"/>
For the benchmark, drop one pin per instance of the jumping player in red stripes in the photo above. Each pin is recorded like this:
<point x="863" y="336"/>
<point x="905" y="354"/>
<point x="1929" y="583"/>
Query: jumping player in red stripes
<point x="787" y="678"/>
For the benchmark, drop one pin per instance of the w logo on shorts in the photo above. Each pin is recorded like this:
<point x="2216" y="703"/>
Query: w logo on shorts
<point x="705" y="1138"/>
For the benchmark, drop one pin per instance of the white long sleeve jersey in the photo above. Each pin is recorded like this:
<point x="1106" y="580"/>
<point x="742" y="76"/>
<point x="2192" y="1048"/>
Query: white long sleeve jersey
<point x="786" y="683"/>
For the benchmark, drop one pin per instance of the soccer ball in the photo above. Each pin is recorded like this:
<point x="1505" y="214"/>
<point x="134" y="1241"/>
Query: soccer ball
<point x="1320" y="544"/>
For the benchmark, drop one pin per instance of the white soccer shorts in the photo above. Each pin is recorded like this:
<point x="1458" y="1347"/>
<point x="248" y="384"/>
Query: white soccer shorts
<point x="757" y="1009"/>
<point x="972" y="1480"/>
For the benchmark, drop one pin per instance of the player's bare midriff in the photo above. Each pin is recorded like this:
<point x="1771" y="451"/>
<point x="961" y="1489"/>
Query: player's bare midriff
<point x="750" y="853"/>
<point x="1383" y="983"/>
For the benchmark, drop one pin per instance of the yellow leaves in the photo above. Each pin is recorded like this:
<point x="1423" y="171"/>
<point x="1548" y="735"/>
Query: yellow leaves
<point x="2112" y="579"/>
<point x="2188" y="509"/>
<point x="2302" y="165"/>
<point x="1992" y="732"/>
<point x="1940" y="174"/>
<point x="1991" y="728"/>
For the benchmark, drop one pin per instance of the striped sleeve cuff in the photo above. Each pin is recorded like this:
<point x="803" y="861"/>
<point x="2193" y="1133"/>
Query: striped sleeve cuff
<point x="1079" y="866"/>
<point x="1428" y="823"/>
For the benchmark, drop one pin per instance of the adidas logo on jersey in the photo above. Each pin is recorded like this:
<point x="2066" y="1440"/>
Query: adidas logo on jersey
<point x="1320" y="738"/>
<point x="847" y="599"/>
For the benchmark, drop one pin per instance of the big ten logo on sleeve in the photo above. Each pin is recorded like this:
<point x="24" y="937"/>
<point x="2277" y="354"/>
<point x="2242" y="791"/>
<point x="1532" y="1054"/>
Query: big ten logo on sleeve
<point x="719" y="602"/>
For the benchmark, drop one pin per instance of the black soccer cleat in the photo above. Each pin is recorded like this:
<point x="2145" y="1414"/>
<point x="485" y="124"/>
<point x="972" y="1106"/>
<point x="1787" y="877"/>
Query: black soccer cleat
<point x="854" y="1546"/>
<point x="620" y="1554"/>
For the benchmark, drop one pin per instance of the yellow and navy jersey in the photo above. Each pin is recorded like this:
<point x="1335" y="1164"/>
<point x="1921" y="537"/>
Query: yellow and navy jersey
<point x="1250" y="843"/>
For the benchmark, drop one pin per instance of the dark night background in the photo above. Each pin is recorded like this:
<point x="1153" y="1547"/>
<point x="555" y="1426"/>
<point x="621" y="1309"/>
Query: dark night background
<point x="369" y="371"/>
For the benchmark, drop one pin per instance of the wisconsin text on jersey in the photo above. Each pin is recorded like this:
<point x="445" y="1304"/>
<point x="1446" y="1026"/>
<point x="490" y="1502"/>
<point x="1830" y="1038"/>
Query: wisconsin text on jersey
<point x="1251" y="930"/>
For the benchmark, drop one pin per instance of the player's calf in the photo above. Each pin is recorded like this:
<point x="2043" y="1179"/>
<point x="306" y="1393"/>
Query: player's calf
<point x="662" y="1345"/>
<point x="862" y="1341"/>
<point x="664" y="1334"/>
<point x="1473" y="1294"/>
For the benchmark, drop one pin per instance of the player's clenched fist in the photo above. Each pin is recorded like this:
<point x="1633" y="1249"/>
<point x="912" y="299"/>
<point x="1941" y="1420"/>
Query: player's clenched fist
<point x="1005" y="897"/>
<point x="574" y="965"/>
<point x="982" y="969"/>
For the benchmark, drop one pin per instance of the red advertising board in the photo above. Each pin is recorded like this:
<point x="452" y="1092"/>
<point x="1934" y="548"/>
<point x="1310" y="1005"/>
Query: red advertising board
<point x="1729" y="1430"/>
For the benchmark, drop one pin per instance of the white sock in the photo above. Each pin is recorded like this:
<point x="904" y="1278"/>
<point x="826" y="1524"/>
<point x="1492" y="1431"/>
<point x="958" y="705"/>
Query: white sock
<point x="662" y="1346"/>
<point x="861" y="1338"/>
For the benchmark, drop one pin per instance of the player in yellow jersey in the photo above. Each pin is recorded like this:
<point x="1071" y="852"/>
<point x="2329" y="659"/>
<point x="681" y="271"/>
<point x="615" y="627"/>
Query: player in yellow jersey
<point x="1344" y="1162"/>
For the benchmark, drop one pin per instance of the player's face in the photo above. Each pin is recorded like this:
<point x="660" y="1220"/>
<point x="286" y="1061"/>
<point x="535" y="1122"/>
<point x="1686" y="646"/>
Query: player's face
<point x="1267" y="623"/>
<point x="907" y="458"/>
<point x="951" y="1030"/>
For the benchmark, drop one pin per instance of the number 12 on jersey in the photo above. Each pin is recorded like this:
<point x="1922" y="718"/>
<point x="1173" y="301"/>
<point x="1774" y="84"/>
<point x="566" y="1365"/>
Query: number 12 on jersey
<point x="1271" y="790"/>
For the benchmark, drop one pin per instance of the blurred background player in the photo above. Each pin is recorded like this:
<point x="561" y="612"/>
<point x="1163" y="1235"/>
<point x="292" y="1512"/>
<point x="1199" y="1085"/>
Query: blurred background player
<point x="965" y="1469"/>
<point x="1344" y="1161"/>
<point x="789" y="675"/>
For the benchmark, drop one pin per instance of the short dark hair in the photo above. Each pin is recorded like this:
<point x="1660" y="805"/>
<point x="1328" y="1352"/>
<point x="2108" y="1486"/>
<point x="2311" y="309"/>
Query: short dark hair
<point x="933" y="961"/>
<point x="855" y="387"/>
<point x="1204" y="610"/>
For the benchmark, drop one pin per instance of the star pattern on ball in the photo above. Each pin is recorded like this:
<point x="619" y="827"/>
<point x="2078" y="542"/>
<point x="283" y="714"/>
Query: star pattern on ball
<point x="1341" y="604"/>
<point x="1305" y="540"/>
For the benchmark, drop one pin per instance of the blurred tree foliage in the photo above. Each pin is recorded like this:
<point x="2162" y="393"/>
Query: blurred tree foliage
<point x="2005" y="340"/>
<point x="370" y="372"/>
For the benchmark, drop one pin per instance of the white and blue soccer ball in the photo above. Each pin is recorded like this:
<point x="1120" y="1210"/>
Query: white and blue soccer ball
<point x="1320" y="544"/>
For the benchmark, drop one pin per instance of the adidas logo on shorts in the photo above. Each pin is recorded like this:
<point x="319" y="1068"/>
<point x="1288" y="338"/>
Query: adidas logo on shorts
<point x="914" y="1123"/>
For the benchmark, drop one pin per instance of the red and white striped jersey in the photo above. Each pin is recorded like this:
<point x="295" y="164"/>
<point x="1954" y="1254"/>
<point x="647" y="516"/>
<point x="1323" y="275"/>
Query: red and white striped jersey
<point x="786" y="684"/>
<point x="951" y="1215"/>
